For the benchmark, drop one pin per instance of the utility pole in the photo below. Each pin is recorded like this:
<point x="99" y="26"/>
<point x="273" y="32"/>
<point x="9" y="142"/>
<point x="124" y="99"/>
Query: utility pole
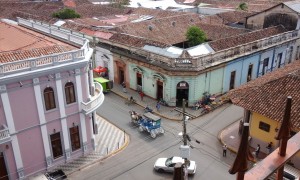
<point x="184" y="123"/>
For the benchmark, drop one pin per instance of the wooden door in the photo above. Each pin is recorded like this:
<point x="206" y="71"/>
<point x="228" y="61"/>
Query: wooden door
<point x="3" y="170"/>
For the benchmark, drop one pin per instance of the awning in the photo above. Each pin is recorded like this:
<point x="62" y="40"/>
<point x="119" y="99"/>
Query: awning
<point x="100" y="69"/>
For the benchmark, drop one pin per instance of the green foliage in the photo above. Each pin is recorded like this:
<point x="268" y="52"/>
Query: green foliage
<point x="120" y="3"/>
<point x="243" y="6"/>
<point x="195" y="36"/>
<point x="66" y="14"/>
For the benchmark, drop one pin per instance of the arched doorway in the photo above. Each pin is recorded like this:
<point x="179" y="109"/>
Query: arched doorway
<point x="182" y="92"/>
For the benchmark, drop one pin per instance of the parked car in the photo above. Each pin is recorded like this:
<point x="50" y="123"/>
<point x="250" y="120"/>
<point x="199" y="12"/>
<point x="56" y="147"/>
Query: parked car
<point x="168" y="164"/>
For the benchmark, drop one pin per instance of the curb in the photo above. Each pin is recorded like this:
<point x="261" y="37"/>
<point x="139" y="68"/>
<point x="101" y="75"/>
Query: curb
<point x="157" y="113"/>
<point x="103" y="158"/>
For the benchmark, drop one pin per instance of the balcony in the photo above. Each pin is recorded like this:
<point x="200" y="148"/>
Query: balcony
<point x="95" y="101"/>
<point x="4" y="135"/>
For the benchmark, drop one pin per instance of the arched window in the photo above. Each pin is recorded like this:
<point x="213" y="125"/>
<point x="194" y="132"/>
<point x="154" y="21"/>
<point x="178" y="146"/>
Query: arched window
<point x="49" y="98"/>
<point x="70" y="93"/>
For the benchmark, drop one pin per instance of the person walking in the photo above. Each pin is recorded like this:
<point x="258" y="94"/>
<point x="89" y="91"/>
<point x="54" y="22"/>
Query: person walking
<point x="124" y="87"/>
<point x="270" y="147"/>
<point x="224" y="150"/>
<point x="142" y="95"/>
<point x="257" y="150"/>
<point x="157" y="106"/>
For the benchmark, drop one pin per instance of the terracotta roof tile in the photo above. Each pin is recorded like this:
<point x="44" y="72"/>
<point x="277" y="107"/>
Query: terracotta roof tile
<point x="11" y="56"/>
<point x="17" y="43"/>
<point x="134" y="41"/>
<point x="214" y="32"/>
<point x="267" y="95"/>
<point x="234" y="16"/>
<point x="14" y="38"/>
<point x="212" y="19"/>
<point x="233" y="41"/>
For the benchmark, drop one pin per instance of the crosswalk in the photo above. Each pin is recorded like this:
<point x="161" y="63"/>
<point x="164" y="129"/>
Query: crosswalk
<point x="108" y="140"/>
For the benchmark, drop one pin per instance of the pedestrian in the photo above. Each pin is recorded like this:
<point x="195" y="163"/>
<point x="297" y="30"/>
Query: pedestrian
<point x="224" y="150"/>
<point x="257" y="150"/>
<point x="142" y="95"/>
<point x="270" y="147"/>
<point x="124" y="87"/>
<point x="157" y="106"/>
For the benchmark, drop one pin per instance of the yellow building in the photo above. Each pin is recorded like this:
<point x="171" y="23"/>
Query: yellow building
<point x="266" y="97"/>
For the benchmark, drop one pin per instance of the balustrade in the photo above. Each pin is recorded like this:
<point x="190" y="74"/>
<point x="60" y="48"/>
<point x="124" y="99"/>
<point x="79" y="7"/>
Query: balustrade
<point x="50" y="60"/>
<point x="4" y="135"/>
<point x="95" y="100"/>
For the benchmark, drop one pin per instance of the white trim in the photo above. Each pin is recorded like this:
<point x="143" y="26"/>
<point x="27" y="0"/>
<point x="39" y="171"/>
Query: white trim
<point x="8" y="113"/>
<point x="65" y="134"/>
<point x="62" y="111"/>
<point x="60" y="97"/>
<point x="41" y="113"/>
<point x="79" y="96"/>
<point x="45" y="140"/>
<point x="39" y="104"/>
<point x="16" y="150"/>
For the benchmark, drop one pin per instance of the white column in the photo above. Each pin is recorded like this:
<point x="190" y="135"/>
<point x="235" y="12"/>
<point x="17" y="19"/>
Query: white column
<point x="82" y="116"/>
<point x="62" y="111"/>
<point x="41" y="113"/>
<point x="12" y="131"/>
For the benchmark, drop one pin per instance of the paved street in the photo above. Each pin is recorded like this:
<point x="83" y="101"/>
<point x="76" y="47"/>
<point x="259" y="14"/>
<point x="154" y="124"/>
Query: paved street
<point x="136" y="161"/>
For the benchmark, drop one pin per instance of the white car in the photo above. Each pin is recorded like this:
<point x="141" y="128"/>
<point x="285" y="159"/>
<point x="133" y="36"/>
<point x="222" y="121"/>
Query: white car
<point x="168" y="164"/>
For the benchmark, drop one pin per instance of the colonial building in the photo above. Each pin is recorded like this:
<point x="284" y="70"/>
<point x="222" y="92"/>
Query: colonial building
<point x="147" y="50"/>
<point x="286" y="14"/>
<point x="47" y="98"/>
<point x="265" y="97"/>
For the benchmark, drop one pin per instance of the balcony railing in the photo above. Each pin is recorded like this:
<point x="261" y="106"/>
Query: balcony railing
<point x="211" y="59"/>
<point x="96" y="100"/>
<point x="4" y="135"/>
<point x="49" y="60"/>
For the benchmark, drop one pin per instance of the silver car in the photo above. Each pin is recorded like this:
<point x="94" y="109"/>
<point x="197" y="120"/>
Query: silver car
<point x="168" y="164"/>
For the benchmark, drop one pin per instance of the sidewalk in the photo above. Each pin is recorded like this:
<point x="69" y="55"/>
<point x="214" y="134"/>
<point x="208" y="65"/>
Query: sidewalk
<point x="164" y="111"/>
<point x="230" y="136"/>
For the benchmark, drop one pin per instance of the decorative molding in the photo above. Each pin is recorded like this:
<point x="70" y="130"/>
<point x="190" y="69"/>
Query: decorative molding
<point x="68" y="154"/>
<point x="158" y="76"/>
<point x="84" y="144"/>
<point x="77" y="71"/>
<point x="57" y="76"/>
<point x="20" y="173"/>
<point x="138" y="69"/>
<point x="36" y="80"/>
<point x="49" y="161"/>
<point x="3" y="88"/>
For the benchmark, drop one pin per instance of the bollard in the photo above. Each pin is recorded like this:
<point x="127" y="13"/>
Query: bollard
<point x="118" y="145"/>
<point x="107" y="150"/>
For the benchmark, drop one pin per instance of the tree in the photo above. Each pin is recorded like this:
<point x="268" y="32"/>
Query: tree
<point x="243" y="6"/>
<point x="195" y="36"/>
<point x="66" y="14"/>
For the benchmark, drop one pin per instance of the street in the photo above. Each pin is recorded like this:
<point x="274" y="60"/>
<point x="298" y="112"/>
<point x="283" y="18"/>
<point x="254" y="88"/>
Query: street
<point x="136" y="161"/>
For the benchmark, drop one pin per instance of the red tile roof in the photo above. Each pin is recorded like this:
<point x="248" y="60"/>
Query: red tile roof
<point x="214" y="32"/>
<point x="18" y="43"/>
<point x="134" y="41"/>
<point x="267" y="95"/>
<point x="234" y="16"/>
<point x="69" y="3"/>
<point x="11" y="56"/>
<point x="233" y="41"/>
<point x="169" y="30"/>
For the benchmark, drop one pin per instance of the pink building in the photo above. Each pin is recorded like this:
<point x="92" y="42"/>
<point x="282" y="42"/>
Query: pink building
<point x="47" y="98"/>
